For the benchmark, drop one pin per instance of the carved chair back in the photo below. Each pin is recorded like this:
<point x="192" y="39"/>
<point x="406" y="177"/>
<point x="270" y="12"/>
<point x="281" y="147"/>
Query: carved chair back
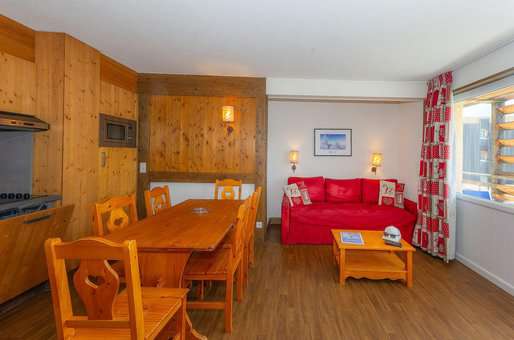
<point x="156" y="200"/>
<point x="227" y="189"/>
<point x="96" y="283"/>
<point x="115" y="213"/>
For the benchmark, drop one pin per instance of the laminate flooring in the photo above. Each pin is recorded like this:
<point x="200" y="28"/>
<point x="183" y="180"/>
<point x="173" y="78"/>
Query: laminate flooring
<point x="294" y="294"/>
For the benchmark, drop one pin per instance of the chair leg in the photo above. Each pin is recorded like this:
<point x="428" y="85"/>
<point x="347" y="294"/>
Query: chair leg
<point x="201" y="290"/>
<point x="252" y="250"/>
<point x="181" y="320"/>
<point x="240" y="282"/>
<point x="229" y="297"/>
<point x="246" y="267"/>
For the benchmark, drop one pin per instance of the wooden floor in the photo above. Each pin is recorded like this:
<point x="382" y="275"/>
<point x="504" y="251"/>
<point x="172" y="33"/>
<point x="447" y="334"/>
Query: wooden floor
<point x="294" y="295"/>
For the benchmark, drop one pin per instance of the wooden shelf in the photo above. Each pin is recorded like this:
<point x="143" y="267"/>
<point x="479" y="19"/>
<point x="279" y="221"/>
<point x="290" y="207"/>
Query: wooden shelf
<point x="375" y="261"/>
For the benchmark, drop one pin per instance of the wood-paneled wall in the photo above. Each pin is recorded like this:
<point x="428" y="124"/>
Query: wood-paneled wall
<point x="17" y="40"/>
<point x="188" y="136"/>
<point x="67" y="84"/>
<point x="48" y="145"/>
<point x="17" y="67"/>
<point x="117" y="166"/>
<point x="80" y="138"/>
<point x="182" y="137"/>
<point x="18" y="84"/>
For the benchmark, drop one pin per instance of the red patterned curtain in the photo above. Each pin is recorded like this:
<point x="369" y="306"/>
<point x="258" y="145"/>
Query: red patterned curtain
<point x="432" y="228"/>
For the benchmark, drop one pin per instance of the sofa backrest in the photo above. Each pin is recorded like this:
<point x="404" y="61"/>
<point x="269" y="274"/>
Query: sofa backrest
<point x="365" y="190"/>
<point x="343" y="190"/>
<point x="315" y="186"/>
<point x="371" y="190"/>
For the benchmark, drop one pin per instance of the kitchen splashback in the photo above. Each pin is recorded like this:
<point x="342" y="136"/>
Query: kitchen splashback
<point x="15" y="162"/>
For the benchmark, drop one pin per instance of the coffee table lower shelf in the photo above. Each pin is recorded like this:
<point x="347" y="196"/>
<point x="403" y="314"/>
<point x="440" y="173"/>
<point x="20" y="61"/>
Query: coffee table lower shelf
<point x="372" y="260"/>
<point x="375" y="265"/>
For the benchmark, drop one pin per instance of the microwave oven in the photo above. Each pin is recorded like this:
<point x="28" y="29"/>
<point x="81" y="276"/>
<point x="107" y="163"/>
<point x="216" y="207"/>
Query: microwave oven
<point x="117" y="132"/>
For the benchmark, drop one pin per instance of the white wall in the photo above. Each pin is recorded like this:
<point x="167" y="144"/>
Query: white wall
<point x="497" y="61"/>
<point x="393" y="129"/>
<point x="485" y="236"/>
<point x="485" y="239"/>
<point x="180" y="192"/>
<point x="294" y="87"/>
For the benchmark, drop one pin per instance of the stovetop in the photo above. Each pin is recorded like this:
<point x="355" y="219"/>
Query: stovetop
<point x="12" y="198"/>
<point x="14" y="207"/>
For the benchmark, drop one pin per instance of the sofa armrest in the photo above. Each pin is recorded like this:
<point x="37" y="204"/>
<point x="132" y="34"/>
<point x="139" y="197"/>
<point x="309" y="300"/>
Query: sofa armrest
<point x="411" y="206"/>
<point x="286" y="211"/>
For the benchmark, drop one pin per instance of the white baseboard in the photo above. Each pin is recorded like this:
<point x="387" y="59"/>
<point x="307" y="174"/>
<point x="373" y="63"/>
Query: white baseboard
<point x="509" y="288"/>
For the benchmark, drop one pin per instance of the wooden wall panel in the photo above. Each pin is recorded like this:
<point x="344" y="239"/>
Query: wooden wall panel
<point x="118" y="101"/>
<point x="117" y="174"/>
<point x="48" y="145"/>
<point x="187" y="135"/>
<point x="117" y="74"/>
<point x="81" y="151"/>
<point x="16" y="39"/>
<point x="181" y="142"/>
<point x="17" y="84"/>
<point x="192" y="85"/>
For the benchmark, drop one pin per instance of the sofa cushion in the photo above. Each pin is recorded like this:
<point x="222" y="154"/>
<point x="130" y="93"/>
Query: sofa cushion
<point x="371" y="189"/>
<point x="343" y="190"/>
<point x="315" y="186"/>
<point x="350" y="215"/>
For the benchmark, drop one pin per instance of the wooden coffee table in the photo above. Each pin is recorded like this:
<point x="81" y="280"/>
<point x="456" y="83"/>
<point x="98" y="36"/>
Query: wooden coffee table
<point x="374" y="260"/>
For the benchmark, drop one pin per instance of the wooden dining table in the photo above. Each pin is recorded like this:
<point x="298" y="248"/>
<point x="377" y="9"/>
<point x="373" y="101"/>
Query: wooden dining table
<point x="166" y="241"/>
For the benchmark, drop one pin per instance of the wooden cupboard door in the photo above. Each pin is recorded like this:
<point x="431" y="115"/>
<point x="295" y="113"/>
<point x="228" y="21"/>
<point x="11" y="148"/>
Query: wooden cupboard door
<point x="117" y="174"/>
<point x="80" y="135"/>
<point x="22" y="257"/>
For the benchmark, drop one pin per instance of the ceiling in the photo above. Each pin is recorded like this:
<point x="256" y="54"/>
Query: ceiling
<point x="332" y="39"/>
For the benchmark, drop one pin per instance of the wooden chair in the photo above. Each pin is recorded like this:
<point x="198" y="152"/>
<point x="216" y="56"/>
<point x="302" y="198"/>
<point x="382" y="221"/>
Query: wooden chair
<point x="221" y="265"/>
<point x="249" y="251"/>
<point x="136" y="313"/>
<point x="156" y="200"/>
<point x="115" y="213"/>
<point x="227" y="187"/>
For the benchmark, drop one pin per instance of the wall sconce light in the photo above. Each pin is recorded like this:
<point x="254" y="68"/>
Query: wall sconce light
<point x="293" y="159"/>
<point x="227" y="115"/>
<point x="376" y="161"/>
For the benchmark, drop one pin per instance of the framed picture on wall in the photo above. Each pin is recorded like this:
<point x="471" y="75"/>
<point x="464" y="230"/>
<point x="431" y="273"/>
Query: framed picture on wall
<point x="332" y="142"/>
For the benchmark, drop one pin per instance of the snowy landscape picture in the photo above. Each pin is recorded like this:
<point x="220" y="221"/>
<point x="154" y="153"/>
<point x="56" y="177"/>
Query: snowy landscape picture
<point x="332" y="142"/>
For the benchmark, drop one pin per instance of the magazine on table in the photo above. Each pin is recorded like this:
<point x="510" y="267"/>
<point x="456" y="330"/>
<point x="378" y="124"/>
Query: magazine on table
<point x="351" y="238"/>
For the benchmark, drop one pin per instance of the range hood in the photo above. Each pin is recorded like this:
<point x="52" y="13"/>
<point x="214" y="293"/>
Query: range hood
<point x="19" y="122"/>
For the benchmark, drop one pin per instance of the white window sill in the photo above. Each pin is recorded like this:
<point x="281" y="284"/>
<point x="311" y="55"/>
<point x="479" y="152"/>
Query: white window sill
<point x="488" y="204"/>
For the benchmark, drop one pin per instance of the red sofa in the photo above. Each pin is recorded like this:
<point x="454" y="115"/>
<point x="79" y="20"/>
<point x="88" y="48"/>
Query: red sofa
<point x="341" y="204"/>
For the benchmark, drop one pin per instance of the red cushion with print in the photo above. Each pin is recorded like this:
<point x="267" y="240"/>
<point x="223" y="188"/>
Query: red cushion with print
<point x="371" y="189"/>
<point x="399" y="201"/>
<point x="315" y="186"/>
<point x="343" y="190"/>
<point x="387" y="193"/>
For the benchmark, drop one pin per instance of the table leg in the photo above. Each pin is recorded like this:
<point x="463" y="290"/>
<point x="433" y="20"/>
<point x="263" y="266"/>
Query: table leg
<point x="409" y="269"/>
<point x="166" y="270"/>
<point x="334" y="251"/>
<point x="342" y="261"/>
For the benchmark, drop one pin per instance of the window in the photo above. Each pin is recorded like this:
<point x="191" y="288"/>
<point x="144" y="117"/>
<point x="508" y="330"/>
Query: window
<point x="485" y="144"/>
